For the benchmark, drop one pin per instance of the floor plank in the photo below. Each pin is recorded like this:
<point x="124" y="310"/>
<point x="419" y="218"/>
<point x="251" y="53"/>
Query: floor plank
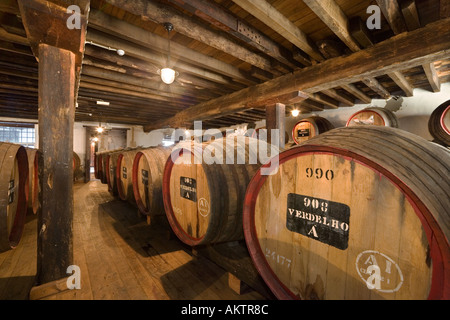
<point x="120" y="256"/>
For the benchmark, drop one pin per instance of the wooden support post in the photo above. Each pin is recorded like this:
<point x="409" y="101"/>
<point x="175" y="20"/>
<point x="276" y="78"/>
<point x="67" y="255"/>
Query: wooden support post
<point x="275" y="119"/>
<point x="56" y="118"/>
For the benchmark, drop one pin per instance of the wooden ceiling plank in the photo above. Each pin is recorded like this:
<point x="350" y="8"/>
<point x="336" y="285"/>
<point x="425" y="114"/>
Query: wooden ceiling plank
<point x="333" y="16"/>
<point x="345" y="99"/>
<point x="412" y="20"/>
<point x="270" y="16"/>
<point x="160" y="13"/>
<point x="139" y="36"/>
<point x="432" y="76"/>
<point x="402" y="82"/>
<point x="146" y="55"/>
<point x="425" y="45"/>
<point x="392" y="13"/>
<point x="228" y="22"/>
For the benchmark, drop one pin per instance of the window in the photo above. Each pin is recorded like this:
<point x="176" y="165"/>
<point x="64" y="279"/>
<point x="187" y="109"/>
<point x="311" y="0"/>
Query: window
<point x="19" y="134"/>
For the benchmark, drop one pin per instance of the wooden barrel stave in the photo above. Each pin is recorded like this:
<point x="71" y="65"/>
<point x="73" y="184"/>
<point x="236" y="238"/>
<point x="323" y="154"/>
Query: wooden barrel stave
<point x="434" y="225"/>
<point x="13" y="199"/>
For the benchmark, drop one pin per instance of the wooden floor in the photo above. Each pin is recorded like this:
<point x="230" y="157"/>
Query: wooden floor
<point x="120" y="257"/>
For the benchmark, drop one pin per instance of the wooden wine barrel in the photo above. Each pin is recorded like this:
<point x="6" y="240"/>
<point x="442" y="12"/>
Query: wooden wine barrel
<point x="439" y="124"/>
<point x="355" y="213"/>
<point x="373" y="116"/>
<point x="309" y="128"/>
<point x="77" y="172"/>
<point x="124" y="174"/>
<point x="13" y="194"/>
<point x="203" y="199"/>
<point x="111" y="165"/>
<point x="33" y="180"/>
<point x="255" y="133"/>
<point x="148" y="169"/>
<point x="96" y="166"/>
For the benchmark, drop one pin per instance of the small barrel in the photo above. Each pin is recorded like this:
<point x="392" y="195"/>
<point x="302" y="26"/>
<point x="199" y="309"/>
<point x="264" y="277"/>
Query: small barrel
<point x="203" y="195"/>
<point x="13" y="194"/>
<point x="373" y="116"/>
<point x="309" y="128"/>
<point x="148" y="169"/>
<point x="355" y="213"/>
<point x="33" y="179"/>
<point x="439" y="124"/>
<point x="124" y="174"/>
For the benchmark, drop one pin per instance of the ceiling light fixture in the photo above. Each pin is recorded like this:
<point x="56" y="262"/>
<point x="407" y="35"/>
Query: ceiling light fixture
<point x="102" y="103"/>
<point x="120" y="52"/>
<point x="295" y="112"/>
<point x="168" y="74"/>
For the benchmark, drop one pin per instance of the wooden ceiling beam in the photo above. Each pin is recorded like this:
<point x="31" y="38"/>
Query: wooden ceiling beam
<point x="412" y="21"/>
<point x="228" y="22"/>
<point x="188" y="26"/>
<point x="432" y="76"/>
<point x="265" y="12"/>
<point x="155" y="85"/>
<point x="392" y="13"/>
<point x="425" y="45"/>
<point x="345" y="99"/>
<point x="139" y="36"/>
<point x="142" y="53"/>
<point x="141" y="69"/>
<point x="333" y="16"/>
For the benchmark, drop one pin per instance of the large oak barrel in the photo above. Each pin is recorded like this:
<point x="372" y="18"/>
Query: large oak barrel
<point x="203" y="195"/>
<point x="100" y="168"/>
<point x="33" y="179"/>
<point x="439" y="124"/>
<point x="373" y="116"/>
<point x="77" y="171"/>
<point x="309" y="128"/>
<point x="124" y="174"/>
<point x="355" y="213"/>
<point x="111" y="167"/>
<point x="96" y="166"/>
<point x="13" y="194"/>
<point x="148" y="169"/>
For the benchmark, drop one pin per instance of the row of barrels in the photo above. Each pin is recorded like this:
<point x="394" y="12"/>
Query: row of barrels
<point x="19" y="190"/>
<point x="311" y="127"/>
<point x="438" y="124"/>
<point x="355" y="213"/>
